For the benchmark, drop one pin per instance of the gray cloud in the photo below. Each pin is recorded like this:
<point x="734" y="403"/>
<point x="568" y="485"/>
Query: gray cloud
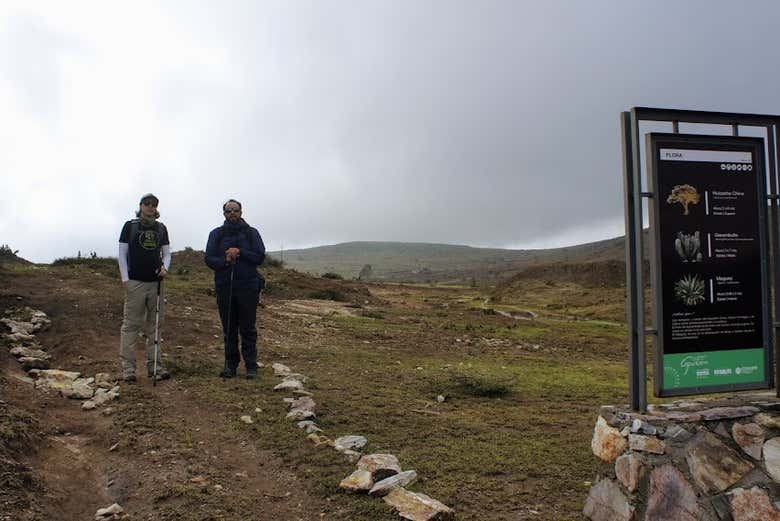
<point x="490" y="123"/>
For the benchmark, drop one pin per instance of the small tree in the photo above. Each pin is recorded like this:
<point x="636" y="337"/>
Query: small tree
<point x="6" y="251"/>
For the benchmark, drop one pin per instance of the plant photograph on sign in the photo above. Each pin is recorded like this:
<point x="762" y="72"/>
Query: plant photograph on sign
<point x="690" y="290"/>
<point x="688" y="246"/>
<point x="684" y="195"/>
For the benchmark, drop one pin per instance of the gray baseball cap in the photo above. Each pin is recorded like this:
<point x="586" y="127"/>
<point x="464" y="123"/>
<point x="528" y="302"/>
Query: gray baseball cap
<point x="148" y="196"/>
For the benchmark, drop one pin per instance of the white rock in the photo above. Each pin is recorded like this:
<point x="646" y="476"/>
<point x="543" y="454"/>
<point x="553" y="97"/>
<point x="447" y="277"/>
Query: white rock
<point x="607" y="443"/>
<point x="19" y="337"/>
<point x="352" y="455"/>
<point x="16" y="326"/>
<point x="54" y="379"/>
<point x="382" y="488"/>
<point x="105" y="380"/>
<point x="20" y="351"/>
<point x="247" y="419"/>
<point x="772" y="458"/>
<point x="298" y="414"/>
<point x="101" y="397"/>
<point x="288" y="385"/>
<point x="358" y="481"/>
<point x="280" y="369"/>
<point x="309" y="426"/>
<point x="304" y="403"/>
<point x="418" y="507"/>
<point x="39" y="321"/>
<point x="380" y="466"/>
<point x="349" y="443"/>
<point x="111" y="512"/>
<point x="80" y="389"/>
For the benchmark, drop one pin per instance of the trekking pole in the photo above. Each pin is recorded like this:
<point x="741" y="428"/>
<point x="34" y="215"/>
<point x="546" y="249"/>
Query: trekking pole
<point x="156" y="333"/>
<point x="230" y="304"/>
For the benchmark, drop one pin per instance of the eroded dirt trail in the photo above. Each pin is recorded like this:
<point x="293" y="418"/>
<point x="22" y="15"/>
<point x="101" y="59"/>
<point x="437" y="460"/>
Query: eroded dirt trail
<point x="162" y="452"/>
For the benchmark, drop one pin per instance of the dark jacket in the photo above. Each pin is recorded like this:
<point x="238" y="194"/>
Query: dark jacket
<point x="247" y="239"/>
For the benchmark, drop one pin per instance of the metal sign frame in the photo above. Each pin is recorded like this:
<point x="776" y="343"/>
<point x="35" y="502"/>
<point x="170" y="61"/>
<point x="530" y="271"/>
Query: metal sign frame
<point x="634" y="198"/>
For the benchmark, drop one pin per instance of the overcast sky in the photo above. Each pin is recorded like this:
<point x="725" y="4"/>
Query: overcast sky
<point x="487" y="123"/>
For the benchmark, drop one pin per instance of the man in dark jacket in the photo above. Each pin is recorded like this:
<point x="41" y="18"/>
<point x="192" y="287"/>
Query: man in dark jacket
<point x="234" y="251"/>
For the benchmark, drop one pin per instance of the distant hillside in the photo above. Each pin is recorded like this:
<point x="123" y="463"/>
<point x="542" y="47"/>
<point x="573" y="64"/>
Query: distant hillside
<point x="422" y="262"/>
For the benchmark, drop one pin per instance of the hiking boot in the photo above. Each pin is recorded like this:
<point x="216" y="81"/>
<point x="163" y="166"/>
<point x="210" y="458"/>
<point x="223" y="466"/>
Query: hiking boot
<point x="227" y="373"/>
<point x="162" y="374"/>
<point x="251" y="375"/>
<point x="129" y="378"/>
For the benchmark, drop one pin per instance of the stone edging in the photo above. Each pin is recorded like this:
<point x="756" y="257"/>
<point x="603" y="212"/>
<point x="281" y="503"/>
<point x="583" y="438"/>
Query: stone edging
<point x="23" y="324"/>
<point x="379" y="475"/>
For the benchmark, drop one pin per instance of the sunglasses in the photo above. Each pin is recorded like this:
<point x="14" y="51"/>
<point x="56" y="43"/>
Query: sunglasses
<point x="153" y="204"/>
<point x="232" y="210"/>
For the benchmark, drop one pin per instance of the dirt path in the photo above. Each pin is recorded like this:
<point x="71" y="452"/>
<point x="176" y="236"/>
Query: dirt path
<point x="158" y="450"/>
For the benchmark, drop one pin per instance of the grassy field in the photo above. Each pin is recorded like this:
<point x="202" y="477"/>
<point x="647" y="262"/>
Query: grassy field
<point x="522" y="378"/>
<point x="521" y="396"/>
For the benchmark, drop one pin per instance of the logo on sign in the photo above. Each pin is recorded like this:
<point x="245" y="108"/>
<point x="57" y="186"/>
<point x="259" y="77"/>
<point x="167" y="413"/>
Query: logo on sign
<point x="692" y="361"/>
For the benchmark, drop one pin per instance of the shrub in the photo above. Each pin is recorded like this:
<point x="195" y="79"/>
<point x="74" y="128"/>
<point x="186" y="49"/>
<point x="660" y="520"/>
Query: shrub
<point x="272" y="262"/>
<point x="6" y="251"/>
<point x="331" y="275"/>
<point x="105" y="265"/>
<point x="328" y="294"/>
<point x="473" y="382"/>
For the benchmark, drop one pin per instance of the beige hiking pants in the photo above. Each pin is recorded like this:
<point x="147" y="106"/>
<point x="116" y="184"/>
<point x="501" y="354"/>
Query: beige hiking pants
<point x="140" y="310"/>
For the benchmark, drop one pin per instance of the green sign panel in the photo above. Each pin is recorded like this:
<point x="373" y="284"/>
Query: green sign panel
<point x="713" y="368"/>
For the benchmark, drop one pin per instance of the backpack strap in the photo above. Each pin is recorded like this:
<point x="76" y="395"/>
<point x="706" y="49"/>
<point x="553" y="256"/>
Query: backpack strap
<point x="133" y="230"/>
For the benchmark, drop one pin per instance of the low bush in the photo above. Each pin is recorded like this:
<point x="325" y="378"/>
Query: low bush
<point x="105" y="265"/>
<point x="331" y="275"/>
<point x="473" y="382"/>
<point x="328" y="294"/>
<point x="7" y="252"/>
<point x="272" y="262"/>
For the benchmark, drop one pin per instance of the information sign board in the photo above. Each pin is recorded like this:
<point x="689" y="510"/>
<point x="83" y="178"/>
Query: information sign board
<point x="709" y="253"/>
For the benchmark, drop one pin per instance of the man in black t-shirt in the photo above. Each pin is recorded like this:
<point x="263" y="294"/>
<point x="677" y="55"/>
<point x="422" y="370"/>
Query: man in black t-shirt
<point x="144" y="260"/>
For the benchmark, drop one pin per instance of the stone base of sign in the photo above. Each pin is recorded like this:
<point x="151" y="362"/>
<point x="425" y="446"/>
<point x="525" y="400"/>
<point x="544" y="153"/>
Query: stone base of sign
<point x="703" y="459"/>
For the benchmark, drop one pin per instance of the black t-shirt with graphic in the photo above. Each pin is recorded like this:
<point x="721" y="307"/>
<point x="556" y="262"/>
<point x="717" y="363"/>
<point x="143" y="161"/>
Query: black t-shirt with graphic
<point x="144" y="249"/>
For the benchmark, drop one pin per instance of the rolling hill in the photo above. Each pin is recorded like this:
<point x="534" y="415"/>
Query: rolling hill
<point x="423" y="262"/>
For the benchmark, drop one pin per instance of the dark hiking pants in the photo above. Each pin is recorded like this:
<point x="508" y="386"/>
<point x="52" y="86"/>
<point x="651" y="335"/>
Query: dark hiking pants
<point x="243" y="316"/>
